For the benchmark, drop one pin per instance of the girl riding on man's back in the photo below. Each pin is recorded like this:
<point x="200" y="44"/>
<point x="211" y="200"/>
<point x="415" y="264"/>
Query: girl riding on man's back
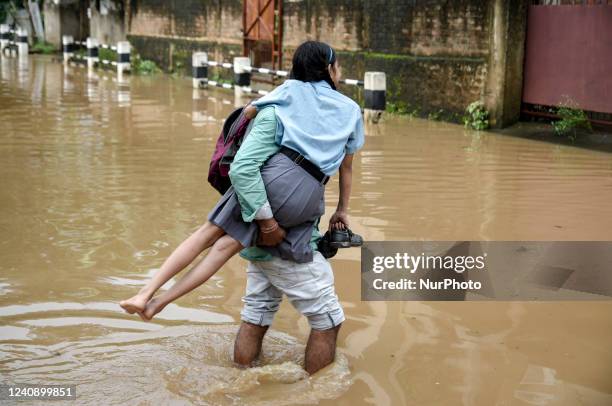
<point x="303" y="133"/>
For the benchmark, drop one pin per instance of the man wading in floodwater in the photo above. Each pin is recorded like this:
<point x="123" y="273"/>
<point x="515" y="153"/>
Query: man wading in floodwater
<point x="305" y="132"/>
<point x="307" y="104"/>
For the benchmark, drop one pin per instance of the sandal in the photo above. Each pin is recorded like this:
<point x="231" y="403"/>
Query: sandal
<point x="324" y="247"/>
<point x="345" y="239"/>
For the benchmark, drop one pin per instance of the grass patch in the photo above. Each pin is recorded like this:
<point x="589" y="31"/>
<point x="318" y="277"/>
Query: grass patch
<point x="217" y="78"/>
<point x="108" y="54"/>
<point x="143" y="66"/>
<point x="476" y="116"/>
<point x="138" y="66"/>
<point x="41" y="47"/>
<point x="571" y="120"/>
<point x="401" y="108"/>
<point x="435" y="115"/>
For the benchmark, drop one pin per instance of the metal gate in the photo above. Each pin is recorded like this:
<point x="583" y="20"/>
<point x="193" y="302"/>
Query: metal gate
<point x="568" y="56"/>
<point x="263" y="32"/>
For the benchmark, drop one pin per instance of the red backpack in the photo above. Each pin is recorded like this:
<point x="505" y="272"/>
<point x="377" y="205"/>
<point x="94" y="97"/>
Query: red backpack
<point x="228" y="143"/>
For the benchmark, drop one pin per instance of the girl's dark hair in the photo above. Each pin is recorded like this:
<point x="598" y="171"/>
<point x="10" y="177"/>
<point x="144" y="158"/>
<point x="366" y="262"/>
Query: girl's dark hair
<point x="310" y="62"/>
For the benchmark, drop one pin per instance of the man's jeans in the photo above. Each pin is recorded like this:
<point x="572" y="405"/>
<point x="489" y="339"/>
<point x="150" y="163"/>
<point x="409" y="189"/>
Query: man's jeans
<point x="308" y="286"/>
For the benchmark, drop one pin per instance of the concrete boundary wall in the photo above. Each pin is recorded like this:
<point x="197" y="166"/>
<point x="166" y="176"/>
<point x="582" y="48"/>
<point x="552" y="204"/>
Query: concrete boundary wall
<point x="439" y="56"/>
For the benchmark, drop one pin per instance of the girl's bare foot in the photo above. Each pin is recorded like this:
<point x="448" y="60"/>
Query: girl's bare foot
<point x="153" y="307"/>
<point x="135" y="304"/>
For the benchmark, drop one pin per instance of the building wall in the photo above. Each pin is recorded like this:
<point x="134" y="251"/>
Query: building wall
<point x="436" y="53"/>
<point x="63" y="19"/>
<point x="169" y="31"/>
<point x="51" y="16"/>
<point x="107" y="22"/>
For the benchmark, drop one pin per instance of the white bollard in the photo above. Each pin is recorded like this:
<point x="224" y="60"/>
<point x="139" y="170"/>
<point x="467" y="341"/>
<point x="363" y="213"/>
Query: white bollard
<point x="123" y="56"/>
<point x="199" y="69"/>
<point x="4" y="37"/>
<point x="92" y="52"/>
<point x="67" y="47"/>
<point x="242" y="77"/>
<point x="375" y="85"/>
<point x="22" y="42"/>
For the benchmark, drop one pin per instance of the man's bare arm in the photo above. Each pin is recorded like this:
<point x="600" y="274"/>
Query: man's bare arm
<point x="339" y="219"/>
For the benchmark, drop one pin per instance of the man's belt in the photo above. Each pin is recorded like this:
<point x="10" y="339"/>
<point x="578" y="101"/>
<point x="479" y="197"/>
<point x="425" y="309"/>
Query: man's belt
<point x="308" y="166"/>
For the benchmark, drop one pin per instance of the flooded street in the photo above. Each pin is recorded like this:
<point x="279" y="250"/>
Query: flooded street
<point x="102" y="179"/>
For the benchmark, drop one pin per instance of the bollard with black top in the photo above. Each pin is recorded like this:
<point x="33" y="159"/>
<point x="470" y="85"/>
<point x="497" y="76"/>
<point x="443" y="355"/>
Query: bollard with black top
<point x="123" y="56"/>
<point x="4" y="37"/>
<point x="67" y="47"/>
<point x="199" y="69"/>
<point x="93" y="52"/>
<point x="375" y="86"/>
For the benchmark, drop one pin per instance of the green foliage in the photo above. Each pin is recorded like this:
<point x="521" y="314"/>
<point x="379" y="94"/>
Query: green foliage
<point x="217" y="78"/>
<point x="571" y="119"/>
<point x="435" y="115"/>
<point x="138" y="66"/>
<point x="105" y="53"/>
<point x="43" y="48"/>
<point x="477" y="116"/>
<point x="178" y="68"/>
<point x="141" y="66"/>
<point x="8" y="7"/>
<point x="402" y="108"/>
<point x="397" y="108"/>
<point x="2" y="12"/>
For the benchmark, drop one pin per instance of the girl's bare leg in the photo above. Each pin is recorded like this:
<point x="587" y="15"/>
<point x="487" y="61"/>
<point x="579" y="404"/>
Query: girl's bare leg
<point x="222" y="250"/>
<point x="182" y="256"/>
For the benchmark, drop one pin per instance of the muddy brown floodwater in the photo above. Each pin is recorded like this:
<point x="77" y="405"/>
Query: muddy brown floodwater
<point x="101" y="179"/>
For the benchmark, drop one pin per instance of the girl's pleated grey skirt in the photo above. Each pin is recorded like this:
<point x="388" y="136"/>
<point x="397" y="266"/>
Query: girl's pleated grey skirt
<point x="297" y="201"/>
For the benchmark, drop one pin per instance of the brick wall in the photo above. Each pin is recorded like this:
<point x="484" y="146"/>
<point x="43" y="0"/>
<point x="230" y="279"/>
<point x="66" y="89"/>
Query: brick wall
<point x="434" y="52"/>
<point x="168" y="31"/>
<point x="217" y="21"/>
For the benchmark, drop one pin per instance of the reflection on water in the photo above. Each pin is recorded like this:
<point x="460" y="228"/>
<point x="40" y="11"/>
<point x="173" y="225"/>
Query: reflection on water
<point x="103" y="177"/>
